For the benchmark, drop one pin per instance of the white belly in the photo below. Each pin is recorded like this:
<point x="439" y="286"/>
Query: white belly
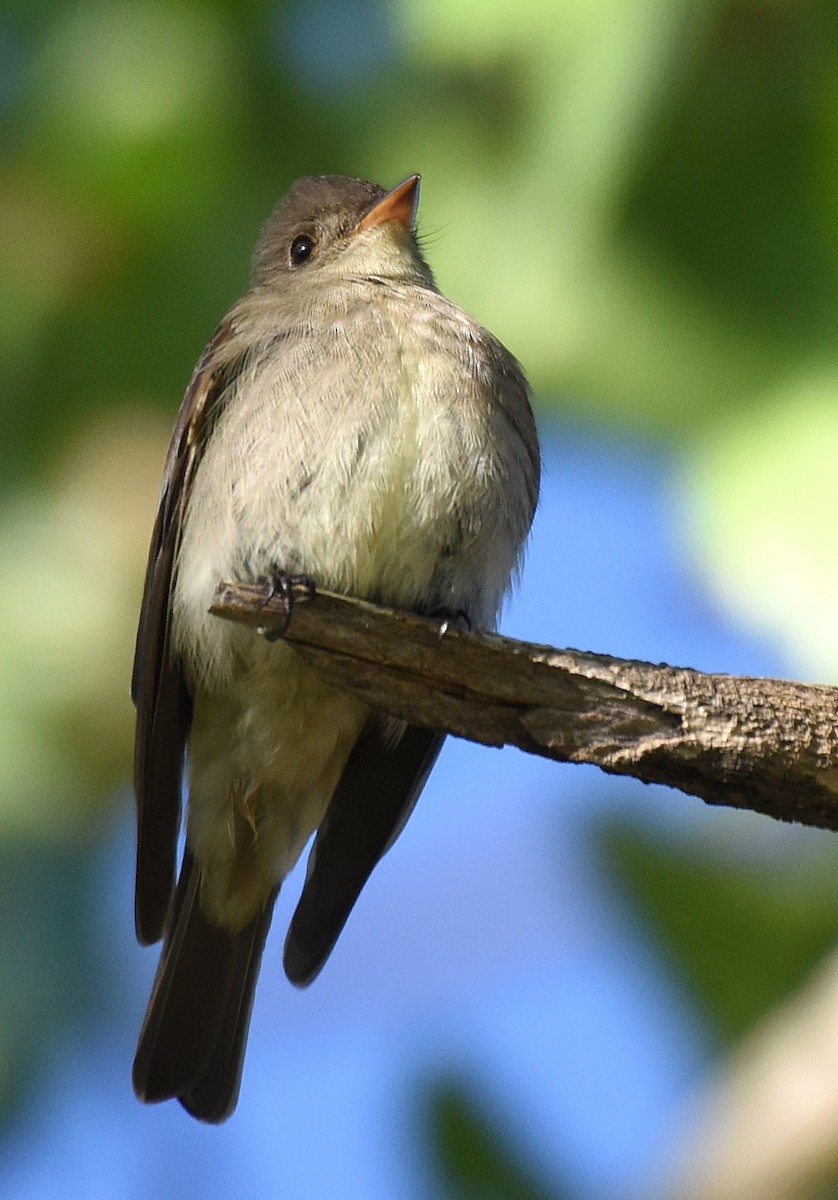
<point x="266" y="752"/>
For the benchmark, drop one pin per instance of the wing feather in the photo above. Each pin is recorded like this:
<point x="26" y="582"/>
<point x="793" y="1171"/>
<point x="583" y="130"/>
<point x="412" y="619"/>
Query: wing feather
<point x="159" y="687"/>
<point x="372" y="802"/>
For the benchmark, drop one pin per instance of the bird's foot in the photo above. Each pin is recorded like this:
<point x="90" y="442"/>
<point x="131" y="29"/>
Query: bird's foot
<point x="449" y="619"/>
<point x="289" y="589"/>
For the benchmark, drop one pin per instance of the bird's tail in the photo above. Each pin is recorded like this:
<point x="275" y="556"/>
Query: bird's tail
<point x="193" y="1038"/>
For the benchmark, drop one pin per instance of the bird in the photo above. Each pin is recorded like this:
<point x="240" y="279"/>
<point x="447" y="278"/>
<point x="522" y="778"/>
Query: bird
<point x="348" y="424"/>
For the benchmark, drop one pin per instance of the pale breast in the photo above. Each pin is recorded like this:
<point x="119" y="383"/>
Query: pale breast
<point x="373" y="449"/>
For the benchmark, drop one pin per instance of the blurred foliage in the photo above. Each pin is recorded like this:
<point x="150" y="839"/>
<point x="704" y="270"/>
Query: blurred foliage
<point x="763" y="500"/>
<point x="52" y="969"/>
<point x="639" y="199"/>
<point x="472" y="1158"/>
<point x="742" y="937"/>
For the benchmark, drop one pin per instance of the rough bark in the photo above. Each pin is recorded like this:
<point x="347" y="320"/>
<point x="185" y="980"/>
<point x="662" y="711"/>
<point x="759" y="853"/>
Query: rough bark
<point x="763" y="744"/>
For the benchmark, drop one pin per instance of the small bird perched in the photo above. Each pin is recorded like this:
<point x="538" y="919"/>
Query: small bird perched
<point x="349" y="423"/>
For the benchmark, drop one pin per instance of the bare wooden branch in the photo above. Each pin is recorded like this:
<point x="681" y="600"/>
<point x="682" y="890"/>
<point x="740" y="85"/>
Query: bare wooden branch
<point x="763" y="744"/>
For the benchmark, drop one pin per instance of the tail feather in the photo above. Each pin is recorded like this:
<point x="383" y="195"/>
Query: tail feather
<point x="192" y="1042"/>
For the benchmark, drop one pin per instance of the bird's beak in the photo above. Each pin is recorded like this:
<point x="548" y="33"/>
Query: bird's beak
<point x="398" y="205"/>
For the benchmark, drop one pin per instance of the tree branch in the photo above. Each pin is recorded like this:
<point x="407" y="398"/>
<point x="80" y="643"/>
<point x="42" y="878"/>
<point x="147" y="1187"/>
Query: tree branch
<point x="762" y="744"/>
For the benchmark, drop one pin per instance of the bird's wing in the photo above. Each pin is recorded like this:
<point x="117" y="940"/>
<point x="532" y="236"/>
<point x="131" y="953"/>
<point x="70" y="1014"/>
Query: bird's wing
<point x="371" y="804"/>
<point x="158" y="687"/>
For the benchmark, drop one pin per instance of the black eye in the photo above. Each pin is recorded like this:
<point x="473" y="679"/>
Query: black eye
<point x="302" y="249"/>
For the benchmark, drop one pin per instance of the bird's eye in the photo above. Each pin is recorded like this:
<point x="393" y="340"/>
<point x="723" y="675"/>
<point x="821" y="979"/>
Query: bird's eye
<point x="302" y="249"/>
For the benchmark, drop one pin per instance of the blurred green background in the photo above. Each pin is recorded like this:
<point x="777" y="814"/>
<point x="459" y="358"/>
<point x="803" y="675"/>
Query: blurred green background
<point x="641" y="200"/>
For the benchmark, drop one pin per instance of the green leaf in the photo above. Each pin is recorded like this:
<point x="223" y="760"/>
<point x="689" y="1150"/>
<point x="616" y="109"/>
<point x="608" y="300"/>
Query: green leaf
<point x="473" y="1157"/>
<point x="742" y="936"/>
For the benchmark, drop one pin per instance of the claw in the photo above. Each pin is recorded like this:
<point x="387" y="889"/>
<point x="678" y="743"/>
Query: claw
<point x="286" y="587"/>
<point x="451" y="620"/>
